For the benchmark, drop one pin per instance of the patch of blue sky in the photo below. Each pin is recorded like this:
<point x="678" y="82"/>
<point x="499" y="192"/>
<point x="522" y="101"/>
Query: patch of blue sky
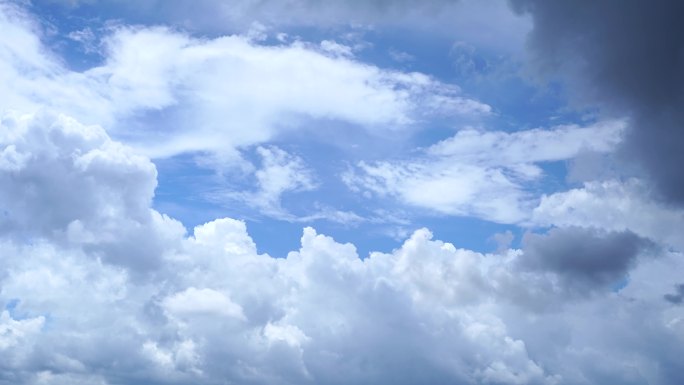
<point x="469" y="232"/>
<point x="71" y="33"/>
<point x="555" y="177"/>
<point x="181" y="189"/>
<point x="11" y="305"/>
<point x="378" y="230"/>
<point x="329" y="147"/>
<point x="16" y="312"/>
<point x="492" y="77"/>
<point x="620" y="284"/>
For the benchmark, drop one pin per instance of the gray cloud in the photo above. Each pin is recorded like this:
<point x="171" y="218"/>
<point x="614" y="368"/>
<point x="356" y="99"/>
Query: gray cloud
<point x="584" y="259"/>
<point x="628" y="58"/>
<point x="678" y="297"/>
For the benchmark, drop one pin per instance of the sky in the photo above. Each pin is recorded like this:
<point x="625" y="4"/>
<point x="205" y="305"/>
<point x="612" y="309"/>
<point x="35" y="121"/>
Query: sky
<point x="341" y="192"/>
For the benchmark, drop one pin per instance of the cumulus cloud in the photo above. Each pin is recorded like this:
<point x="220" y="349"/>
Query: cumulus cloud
<point x="72" y="184"/>
<point x="481" y="173"/>
<point x="214" y="309"/>
<point x="624" y="57"/>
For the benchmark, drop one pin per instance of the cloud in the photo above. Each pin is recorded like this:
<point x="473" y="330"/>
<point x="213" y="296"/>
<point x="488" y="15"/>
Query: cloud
<point x="465" y="18"/>
<point x="70" y="183"/>
<point x="96" y="287"/>
<point x="480" y="173"/>
<point x="583" y="259"/>
<point x="216" y="96"/>
<point x="278" y="173"/>
<point x="213" y="308"/>
<point x="12" y="331"/>
<point x="626" y="59"/>
<point x="612" y="205"/>
<point x="676" y="298"/>
<point x="194" y="301"/>
<point x="165" y="93"/>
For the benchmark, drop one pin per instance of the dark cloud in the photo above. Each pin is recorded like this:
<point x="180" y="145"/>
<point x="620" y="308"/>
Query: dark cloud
<point x="583" y="259"/>
<point x="678" y="297"/>
<point x="628" y="58"/>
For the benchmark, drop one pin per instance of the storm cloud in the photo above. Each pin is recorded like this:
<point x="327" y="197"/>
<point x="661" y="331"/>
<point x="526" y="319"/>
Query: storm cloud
<point x="628" y="58"/>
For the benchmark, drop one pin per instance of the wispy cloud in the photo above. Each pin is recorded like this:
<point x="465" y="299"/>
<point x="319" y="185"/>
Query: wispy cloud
<point x="488" y="174"/>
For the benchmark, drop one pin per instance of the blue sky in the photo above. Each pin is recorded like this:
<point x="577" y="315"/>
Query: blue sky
<point x="288" y="192"/>
<point x="480" y="72"/>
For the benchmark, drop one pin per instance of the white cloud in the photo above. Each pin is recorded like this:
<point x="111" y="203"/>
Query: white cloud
<point x="13" y="332"/>
<point x="428" y="311"/>
<point x="615" y="205"/>
<point x="279" y="173"/>
<point x="165" y="93"/>
<point x="213" y="95"/>
<point x="479" y="173"/>
<point x="194" y="301"/>
<point x="529" y="146"/>
<point x="72" y="184"/>
<point x="86" y="37"/>
<point x="214" y="309"/>
<point x="336" y="48"/>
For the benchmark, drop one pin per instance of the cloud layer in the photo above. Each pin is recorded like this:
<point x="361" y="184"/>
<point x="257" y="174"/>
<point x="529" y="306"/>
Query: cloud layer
<point x="207" y="307"/>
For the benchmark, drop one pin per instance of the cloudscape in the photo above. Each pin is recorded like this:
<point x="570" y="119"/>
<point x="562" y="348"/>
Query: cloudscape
<point x="341" y="192"/>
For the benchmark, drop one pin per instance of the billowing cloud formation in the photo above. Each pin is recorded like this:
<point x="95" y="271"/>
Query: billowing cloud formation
<point x="71" y="184"/>
<point x="481" y="174"/>
<point x="214" y="310"/>
<point x="625" y="56"/>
